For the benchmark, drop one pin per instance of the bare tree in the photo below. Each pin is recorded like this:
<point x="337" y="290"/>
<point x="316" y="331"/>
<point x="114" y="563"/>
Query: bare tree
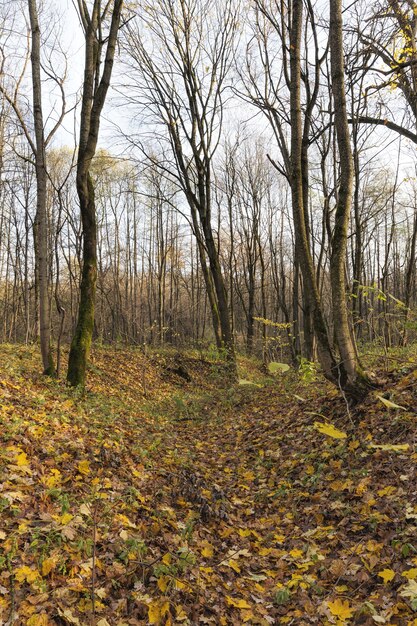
<point x="182" y="53"/>
<point x="294" y="72"/>
<point x="38" y="145"/>
<point x="389" y="34"/>
<point x="41" y="222"/>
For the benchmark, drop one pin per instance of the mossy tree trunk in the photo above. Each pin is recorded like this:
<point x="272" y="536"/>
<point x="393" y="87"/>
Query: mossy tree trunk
<point x="95" y="87"/>
<point x="81" y="341"/>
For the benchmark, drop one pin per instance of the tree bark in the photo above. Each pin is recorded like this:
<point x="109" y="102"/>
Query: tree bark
<point x="325" y="352"/>
<point x="353" y="379"/>
<point x="94" y="95"/>
<point x="41" y="218"/>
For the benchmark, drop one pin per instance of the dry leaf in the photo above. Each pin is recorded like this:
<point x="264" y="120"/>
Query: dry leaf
<point x="238" y="603"/>
<point x="387" y="575"/>
<point x="329" y="430"/>
<point x="341" y="609"/>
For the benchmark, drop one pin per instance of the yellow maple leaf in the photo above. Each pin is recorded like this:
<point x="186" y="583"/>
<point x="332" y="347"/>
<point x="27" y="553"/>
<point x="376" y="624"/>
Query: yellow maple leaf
<point x="163" y="582"/>
<point x="65" y="519"/>
<point x="157" y="610"/>
<point x="49" y="564"/>
<point x="41" y="619"/>
<point x="386" y="491"/>
<point x="22" y="459"/>
<point x="207" y="551"/>
<point x="27" y="574"/>
<point x="179" y="585"/>
<point x="180" y="614"/>
<point x="354" y="445"/>
<point x="125" y="521"/>
<point x="340" y="608"/>
<point x="22" y="528"/>
<point x="329" y="430"/>
<point x="238" y="603"/>
<point x="53" y="479"/>
<point x="410" y="574"/>
<point x="387" y="575"/>
<point x="296" y="554"/>
<point x="84" y="467"/>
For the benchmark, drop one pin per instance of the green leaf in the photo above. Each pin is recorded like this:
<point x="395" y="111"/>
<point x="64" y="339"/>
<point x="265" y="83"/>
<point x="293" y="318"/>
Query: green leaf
<point x="275" y="367"/>
<point x="242" y="381"/>
<point x="282" y="596"/>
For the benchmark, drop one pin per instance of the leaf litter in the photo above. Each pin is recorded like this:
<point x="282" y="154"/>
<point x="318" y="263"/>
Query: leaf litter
<point x="117" y="510"/>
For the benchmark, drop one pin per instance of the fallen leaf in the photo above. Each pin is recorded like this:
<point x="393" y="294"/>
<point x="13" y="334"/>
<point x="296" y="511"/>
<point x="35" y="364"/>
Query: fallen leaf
<point x="389" y="404"/>
<point x="234" y="565"/>
<point x="238" y="603"/>
<point x="163" y="582"/>
<point x="409" y="590"/>
<point x="41" y="619"/>
<point x="410" y="574"/>
<point x="340" y="608"/>
<point x="27" y="574"/>
<point x="387" y="575"/>
<point x="84" y="467"/>
<point x="67" y="614"/>
<point x="48" y="565"/>
<point x="398" y="447"/>
<point x="329" y="430"/>
<point x="22" y="459"/>
<point x="156" y="611"/>
<point x="207" y="551"/>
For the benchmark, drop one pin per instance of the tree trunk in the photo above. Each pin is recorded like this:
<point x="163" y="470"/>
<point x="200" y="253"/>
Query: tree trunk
<point x="353" y="380"/>
<point x="41" y="219"/>
<point x="81" y="341"/>
<point x="325" y="353"/>
<point x="95" y="89"/>
<point x="409" y="277"/>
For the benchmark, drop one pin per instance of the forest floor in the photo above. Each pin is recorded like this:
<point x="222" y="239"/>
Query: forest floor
<point x="152" y="499"/>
